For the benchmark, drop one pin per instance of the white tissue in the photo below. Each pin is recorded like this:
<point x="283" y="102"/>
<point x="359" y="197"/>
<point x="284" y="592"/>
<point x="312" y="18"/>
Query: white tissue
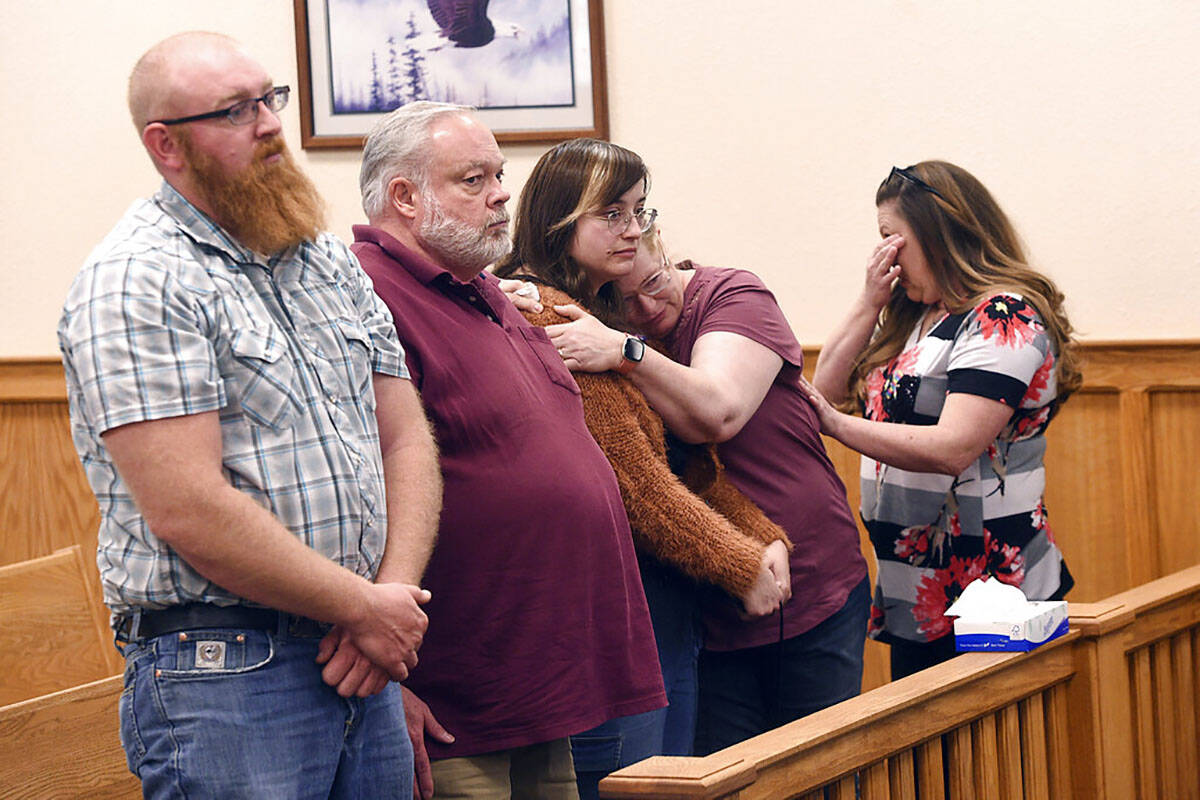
<point x="992" y="615"/>
<point x="988" y="599"/>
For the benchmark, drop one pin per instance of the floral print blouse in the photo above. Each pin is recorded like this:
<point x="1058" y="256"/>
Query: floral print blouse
<point x="934" y="534"/>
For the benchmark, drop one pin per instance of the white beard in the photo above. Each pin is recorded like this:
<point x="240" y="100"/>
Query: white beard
<point x="455" y="243"/>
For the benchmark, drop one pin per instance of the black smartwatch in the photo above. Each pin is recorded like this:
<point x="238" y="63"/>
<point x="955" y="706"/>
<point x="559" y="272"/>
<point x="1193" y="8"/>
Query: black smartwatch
<point x="632" y="352"/>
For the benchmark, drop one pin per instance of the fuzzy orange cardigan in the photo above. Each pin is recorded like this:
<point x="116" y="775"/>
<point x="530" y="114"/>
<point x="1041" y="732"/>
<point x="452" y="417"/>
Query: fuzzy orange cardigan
<point x="707" y="528"/>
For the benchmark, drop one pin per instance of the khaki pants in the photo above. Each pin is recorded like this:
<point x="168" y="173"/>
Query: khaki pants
<point x="535" y="772"/>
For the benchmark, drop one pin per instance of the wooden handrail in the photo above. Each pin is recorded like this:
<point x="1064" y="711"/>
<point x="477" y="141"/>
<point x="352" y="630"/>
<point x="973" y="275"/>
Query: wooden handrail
<point x="1125" y="672"/>
<point x="821" y="747"/>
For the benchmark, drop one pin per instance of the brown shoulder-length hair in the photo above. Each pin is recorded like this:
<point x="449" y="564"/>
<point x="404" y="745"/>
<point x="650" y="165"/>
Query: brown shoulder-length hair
<point x="973" y="252"/>
<point x="571" y="179"/>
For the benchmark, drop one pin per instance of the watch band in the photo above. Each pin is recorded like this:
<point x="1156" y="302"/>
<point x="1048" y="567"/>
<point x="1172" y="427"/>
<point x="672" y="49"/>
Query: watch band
<point x="632" y="351"/>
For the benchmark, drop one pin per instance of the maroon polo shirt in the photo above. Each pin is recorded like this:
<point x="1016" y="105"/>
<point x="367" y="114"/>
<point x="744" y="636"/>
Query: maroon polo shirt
<point x="538" y="626"/>
<point x="778" y="460"/>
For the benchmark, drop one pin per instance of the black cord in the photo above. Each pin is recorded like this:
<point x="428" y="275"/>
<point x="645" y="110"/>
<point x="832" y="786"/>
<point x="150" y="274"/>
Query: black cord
<point x="779" y="669"/>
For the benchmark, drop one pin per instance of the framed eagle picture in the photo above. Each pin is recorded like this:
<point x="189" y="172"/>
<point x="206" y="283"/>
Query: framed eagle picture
<point x="534" y="69"/>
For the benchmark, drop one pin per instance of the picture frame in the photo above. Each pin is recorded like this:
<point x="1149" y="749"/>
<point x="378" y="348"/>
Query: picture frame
<point x="541" y="77"/>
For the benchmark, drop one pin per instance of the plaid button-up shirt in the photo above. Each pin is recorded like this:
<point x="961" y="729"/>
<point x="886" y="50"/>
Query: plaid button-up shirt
<point x="170" y="316"/>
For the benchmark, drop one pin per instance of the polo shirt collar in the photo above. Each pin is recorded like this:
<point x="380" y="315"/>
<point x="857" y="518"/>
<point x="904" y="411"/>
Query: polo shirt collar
<point x="416" y="264"/>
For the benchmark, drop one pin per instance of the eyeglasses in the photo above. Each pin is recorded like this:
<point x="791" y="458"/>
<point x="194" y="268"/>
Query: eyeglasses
<point x="618" y="221"/>
<point x="241" y="113"/>
<point x="910" y="176"/>
<point x="654" y="285"/>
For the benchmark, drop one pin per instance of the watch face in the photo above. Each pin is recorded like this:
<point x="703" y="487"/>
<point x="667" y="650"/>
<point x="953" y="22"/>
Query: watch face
<point x="634" y="349"/>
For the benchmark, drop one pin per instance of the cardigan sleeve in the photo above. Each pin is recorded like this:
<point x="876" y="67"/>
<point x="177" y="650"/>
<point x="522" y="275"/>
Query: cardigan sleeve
<point x="741" y="511"/>
<point x="669" y="521"/>
<point x="701" y="470"/>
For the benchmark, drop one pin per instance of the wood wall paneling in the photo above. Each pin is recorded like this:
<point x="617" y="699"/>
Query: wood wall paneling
<point x="1175" y="434"/>
<point x="46" y="503"/>
<point x="1123" y="499"/>
<point x="1085" y="501"/>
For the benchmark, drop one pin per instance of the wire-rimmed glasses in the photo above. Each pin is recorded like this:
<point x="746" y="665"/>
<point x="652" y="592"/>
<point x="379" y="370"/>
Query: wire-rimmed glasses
<point x="618" y="221"/>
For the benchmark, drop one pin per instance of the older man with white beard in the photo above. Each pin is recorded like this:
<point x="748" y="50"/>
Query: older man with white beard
<point x="241" y="407"/>
<point x="538" y="625"/>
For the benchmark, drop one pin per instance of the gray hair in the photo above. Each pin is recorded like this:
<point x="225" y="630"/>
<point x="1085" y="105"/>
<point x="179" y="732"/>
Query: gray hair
<point x="396" y="147"/>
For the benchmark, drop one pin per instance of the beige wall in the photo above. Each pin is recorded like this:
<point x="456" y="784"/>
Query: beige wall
<point x="767" y="125"/>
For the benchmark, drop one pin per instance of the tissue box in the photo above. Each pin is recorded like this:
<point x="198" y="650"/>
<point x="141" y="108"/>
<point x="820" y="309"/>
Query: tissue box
<point x="1015" y="629"/>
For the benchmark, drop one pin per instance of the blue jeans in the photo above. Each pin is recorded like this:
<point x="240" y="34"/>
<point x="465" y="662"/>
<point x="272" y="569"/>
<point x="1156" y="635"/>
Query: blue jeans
<point x="673" y="599"/>
<point x="239" y="713"/>
<point x="615" y="744"/>
<point x="670" y="731"/>
<point x="747" y="692"/>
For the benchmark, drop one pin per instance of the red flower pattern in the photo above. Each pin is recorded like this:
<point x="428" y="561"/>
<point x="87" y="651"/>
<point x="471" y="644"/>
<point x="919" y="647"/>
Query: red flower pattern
<point x="1031" y="425"/>
<point x="875" y="623"/>
<point x="884" y="379"/>
<point x="938" y="590"/>
<point x="1004" y="561"/>
<point x="875" y="381"/>
<point x="1039" y="382"/>
<point x="904" y="362"/>
<point x="1041" y="523"/>
<point x="1009" y="320"/>
<point x="913" y="543"/>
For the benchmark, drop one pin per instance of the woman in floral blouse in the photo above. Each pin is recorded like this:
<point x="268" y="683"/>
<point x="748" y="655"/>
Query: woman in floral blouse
<point x="958" y="354"/>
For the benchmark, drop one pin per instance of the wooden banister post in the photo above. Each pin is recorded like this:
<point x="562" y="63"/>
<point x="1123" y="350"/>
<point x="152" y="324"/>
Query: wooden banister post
<point x="1099" y="697"/>
<point x="717" y="775"/>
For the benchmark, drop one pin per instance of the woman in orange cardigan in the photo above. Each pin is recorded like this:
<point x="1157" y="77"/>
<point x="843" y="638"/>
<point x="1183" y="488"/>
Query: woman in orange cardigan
<point x="580" y="219"/>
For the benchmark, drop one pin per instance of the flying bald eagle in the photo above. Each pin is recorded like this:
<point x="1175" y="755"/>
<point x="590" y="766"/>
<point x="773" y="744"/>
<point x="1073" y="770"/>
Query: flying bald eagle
<point x="466" y="23"/>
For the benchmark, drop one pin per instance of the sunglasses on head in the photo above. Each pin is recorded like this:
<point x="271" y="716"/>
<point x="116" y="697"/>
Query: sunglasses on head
<point x="907" y="174"/>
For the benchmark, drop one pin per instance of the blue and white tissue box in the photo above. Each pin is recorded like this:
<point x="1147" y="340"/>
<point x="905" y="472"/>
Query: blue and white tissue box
<point x="991" y="615"/>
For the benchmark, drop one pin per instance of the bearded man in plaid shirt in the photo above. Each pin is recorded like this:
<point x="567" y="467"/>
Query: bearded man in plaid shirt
<point x="242" y="409"/>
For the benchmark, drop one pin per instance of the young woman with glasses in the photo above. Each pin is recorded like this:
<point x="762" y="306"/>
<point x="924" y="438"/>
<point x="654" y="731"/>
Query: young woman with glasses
<point x="728" y="374"/>
<point x="578" y="228"/>
<point x="957" y="354"/>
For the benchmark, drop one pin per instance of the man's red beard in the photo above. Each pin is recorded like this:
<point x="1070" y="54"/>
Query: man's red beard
<point x="267" y="207"/>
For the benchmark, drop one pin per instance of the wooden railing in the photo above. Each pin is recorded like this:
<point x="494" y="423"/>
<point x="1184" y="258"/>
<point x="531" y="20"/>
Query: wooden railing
<point x="1108" y="712"/>
<point x="1137" y="699"/>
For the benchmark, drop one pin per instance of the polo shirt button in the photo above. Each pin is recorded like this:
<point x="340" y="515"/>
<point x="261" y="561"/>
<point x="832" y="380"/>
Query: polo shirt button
<point x="473" y="299"/>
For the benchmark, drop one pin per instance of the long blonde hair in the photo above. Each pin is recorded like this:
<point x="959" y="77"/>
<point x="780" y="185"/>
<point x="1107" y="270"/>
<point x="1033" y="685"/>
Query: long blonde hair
<point x="973" y="252"/>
